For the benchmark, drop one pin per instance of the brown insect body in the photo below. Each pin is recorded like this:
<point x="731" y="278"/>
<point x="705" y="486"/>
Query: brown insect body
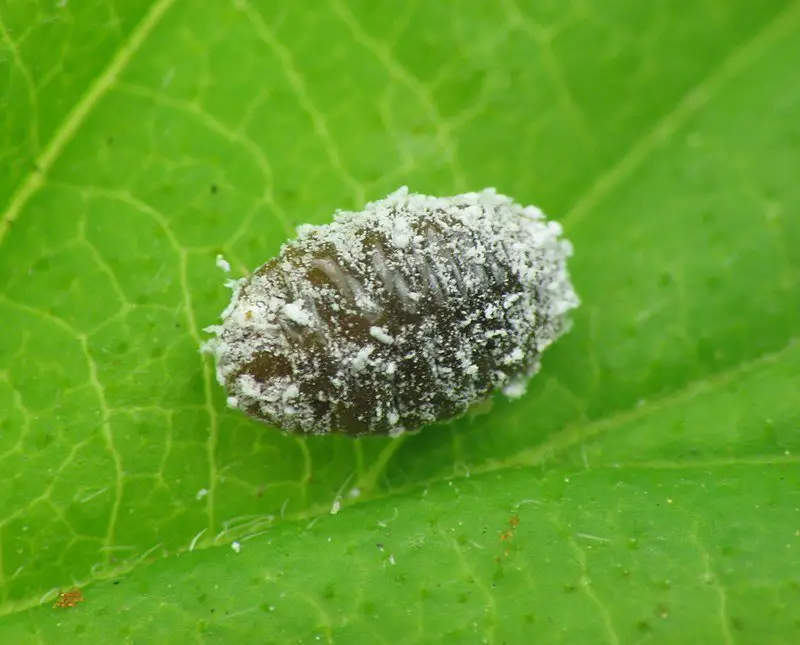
<point x="395" y="317"/>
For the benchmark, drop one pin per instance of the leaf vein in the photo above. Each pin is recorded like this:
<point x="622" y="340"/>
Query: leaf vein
<point x="80" y="112"/>
<point x="691" y="102"/>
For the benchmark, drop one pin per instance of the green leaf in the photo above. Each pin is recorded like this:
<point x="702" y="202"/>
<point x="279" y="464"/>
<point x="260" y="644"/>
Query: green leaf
<point x="646" y="489"/>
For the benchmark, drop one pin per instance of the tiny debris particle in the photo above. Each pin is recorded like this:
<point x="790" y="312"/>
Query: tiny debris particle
<point x="378" y="333"/>
<point x="201" y="493"/>
<point x="294" y="311"/>
<point x="515" y="389"/>
<point x="360" y="360"/>
<point x="406" y="313"/>
<point x="68" y="599"/>
<point x="223" y="264"/>
<point x="236" y="547"/>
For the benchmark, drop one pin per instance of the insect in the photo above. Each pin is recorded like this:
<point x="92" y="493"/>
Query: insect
<point x="398" y="316"/>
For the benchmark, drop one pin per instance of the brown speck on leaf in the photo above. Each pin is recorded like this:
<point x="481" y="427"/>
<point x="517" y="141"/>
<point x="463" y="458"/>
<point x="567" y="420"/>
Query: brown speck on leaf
<point x="68" y="599"/>
<point x="508" y="534"/>
<point x="513" y="523"/>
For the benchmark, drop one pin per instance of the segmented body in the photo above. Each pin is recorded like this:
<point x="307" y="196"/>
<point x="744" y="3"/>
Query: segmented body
<point x="397" y="316"/>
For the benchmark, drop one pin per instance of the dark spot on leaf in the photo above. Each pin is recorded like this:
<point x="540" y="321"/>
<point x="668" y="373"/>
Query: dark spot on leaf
<point x="42" y="440"/>
<point x="662" y="611"/>
<point x="214" y="189"/>
<point x="43" y="264"/>
<point x="706" y="352"/>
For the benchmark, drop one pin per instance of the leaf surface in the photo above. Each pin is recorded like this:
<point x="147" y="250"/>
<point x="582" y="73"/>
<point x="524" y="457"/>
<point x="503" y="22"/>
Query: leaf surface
<point x="646" y="489"/>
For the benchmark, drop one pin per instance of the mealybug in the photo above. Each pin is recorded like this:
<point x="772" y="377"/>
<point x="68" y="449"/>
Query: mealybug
<point x="397" y="316"/>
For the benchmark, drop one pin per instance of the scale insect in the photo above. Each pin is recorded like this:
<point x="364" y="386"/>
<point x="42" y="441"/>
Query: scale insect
<point x="397" y="316"/>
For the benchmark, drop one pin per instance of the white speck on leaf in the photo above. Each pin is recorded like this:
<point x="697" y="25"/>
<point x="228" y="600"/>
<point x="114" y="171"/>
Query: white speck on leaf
<point x="515" y="389"/>
<point x="167" y="79"/>
<point x="223" y="264"/>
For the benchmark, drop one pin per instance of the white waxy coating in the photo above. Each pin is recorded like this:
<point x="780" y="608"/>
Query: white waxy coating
<point x="396" y="316"/>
